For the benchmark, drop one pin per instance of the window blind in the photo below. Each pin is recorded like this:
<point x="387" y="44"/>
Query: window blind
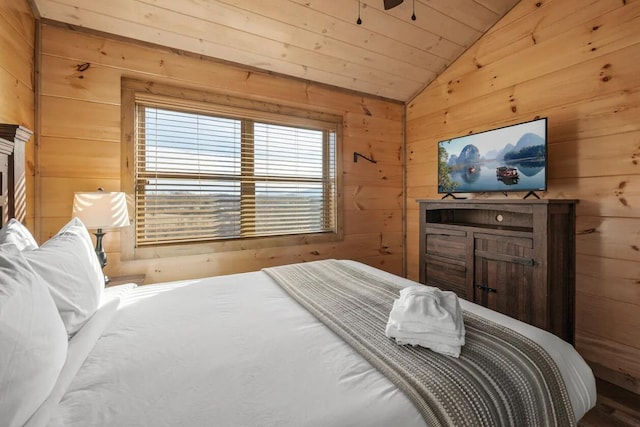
<point x="203" y="176"/>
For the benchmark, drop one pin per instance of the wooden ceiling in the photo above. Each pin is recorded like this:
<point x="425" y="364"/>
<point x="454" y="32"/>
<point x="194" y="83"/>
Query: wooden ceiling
<point x="388" y="55"/>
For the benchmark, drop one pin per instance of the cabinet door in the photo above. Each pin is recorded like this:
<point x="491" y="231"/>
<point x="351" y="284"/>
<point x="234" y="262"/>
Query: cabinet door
<point x="445" y="260"/>
<point x="503" y="277"/>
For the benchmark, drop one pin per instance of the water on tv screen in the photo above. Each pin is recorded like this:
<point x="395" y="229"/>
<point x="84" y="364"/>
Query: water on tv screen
<point x="512" y="158"/>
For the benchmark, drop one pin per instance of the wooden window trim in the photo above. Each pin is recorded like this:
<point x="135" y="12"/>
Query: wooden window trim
<point x="137" y="90"/>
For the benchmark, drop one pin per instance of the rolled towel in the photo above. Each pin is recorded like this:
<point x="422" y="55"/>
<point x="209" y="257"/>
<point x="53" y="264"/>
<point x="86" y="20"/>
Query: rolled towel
<point x="392" y="331"/>
<point x="427" y="317"/>
<point x="446" y="349"/>
<point x="425" y="309"/>
<point x="447" y="346"/>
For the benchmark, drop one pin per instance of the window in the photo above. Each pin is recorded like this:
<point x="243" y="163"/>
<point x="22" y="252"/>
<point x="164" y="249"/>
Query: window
<point x="211" y="172"/>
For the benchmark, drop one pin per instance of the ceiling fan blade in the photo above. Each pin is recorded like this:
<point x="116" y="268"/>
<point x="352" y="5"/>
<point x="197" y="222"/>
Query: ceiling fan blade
<point x="389" y="4"/>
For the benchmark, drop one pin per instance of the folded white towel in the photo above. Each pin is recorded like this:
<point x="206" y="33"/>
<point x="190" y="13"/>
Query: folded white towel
<point x="428" y="317"/>
<point x="446" y="349"/>
<point x="392" y="331"/>
<point x="427" y="309"/>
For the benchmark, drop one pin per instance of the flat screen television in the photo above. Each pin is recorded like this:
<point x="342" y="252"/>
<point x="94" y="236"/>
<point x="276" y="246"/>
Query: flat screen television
<point x="510" y="158"/>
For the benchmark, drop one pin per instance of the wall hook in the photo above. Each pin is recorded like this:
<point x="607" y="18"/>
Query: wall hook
<point x="355" y="158"/>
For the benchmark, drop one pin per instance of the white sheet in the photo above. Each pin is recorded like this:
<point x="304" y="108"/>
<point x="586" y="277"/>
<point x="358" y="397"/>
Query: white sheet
<point x="237" y="351"/>
<point x="79" y="348"/>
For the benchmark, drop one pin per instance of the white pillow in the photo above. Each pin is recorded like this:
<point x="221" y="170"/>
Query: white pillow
<point x="33" y="340"/>
<point x="69" y="265"/>
<point x="16" y="233"/>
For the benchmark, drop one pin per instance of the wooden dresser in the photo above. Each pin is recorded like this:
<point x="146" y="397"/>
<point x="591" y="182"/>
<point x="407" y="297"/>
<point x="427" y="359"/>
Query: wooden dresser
<point x="513" y="256"/>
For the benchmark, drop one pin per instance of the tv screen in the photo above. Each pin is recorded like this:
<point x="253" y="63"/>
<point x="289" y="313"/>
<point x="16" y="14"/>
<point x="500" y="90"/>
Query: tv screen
<point x="511" y="158"/>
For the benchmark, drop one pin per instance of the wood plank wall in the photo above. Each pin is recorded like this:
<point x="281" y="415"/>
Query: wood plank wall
<point x="578" y="63"/>
<point x="17" y="38"/>
<point x="80" y="148"/>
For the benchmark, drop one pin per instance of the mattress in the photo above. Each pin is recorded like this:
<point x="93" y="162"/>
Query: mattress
<point x="238" y="351"/>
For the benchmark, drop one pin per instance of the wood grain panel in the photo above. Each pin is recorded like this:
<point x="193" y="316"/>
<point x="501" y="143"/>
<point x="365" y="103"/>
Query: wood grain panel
<point x="71" y="118"/>
<point x="17" y="100"/>
<point x="598" y="156"/>
<point x="254" y="28"/>
<point x="599" y="351"/>
<point x="389" y="54"/>
<point x="361" y="222"/>
<point x="616" y="238"/>
<point x="567" y="47"/>
<point x="301" y="15"/>
<point x="369" y="129"/>
<point x="617" y="196"/>
<point x="79" y="158"/>
<point x="373" y="175"/>
<point x="17" y="31"/>
<point x="604" y="317"/>
<point x="363" y="198"/>
<point x="188" y="71"/>
<point x="608" y="278"/>
<point x="243" y="54"/>
<point x="383" y="151"/>
<point x="86" y="81"/>
<point x="19" y="49"/>
<point x="423" y="35"/>
<point x="525" y="29"/>
<point x="18" y="15"/>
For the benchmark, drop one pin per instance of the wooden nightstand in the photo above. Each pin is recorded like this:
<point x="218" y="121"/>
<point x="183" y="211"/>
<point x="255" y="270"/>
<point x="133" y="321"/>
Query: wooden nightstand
<point x="138" y="279"/>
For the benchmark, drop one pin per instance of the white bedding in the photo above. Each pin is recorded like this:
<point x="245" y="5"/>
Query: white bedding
<point x="237" y="351"/>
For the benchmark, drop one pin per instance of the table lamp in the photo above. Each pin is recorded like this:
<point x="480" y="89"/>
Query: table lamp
<point x="101" y="210"/>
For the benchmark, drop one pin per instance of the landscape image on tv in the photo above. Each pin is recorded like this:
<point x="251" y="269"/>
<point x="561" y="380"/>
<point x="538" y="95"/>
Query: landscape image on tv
<point x="512" y="158"/>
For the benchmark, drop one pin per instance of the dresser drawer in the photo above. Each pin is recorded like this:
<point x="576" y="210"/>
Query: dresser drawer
<point x="447" y="244"/>
<point x="448" y="274"/>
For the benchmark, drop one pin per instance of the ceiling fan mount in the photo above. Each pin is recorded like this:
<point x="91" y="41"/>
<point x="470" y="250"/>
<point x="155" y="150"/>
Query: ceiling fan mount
<point x="390" y="4"/>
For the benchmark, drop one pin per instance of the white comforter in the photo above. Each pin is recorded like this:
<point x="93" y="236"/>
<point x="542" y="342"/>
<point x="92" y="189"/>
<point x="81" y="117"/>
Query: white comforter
<point x="237" y="351"/>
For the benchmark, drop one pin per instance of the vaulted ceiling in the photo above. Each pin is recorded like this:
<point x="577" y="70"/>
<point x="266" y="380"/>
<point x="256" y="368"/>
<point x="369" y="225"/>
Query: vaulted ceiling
<point x="388" y="54"/>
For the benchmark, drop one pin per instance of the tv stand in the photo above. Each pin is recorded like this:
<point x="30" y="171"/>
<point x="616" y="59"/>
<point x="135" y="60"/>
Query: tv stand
<point x="516" y="256"/>
<point x="453" y="196"/>
<point x="531" y="193"/>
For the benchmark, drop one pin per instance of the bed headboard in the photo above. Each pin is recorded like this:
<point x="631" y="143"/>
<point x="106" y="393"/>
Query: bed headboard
<point x="13" y="195"/>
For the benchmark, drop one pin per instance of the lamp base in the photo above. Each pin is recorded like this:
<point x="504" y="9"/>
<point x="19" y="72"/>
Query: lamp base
<point x="100" y="253"/>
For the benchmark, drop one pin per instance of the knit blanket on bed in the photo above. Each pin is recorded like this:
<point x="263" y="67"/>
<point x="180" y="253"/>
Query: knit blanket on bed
<point x="500" y="379"/>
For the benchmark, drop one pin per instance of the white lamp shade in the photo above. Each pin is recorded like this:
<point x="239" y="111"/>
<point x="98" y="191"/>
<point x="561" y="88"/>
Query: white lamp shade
<point x="101" y="209"/>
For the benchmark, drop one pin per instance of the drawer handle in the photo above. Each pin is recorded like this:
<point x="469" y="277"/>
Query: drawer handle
<point x="486" y="288"/>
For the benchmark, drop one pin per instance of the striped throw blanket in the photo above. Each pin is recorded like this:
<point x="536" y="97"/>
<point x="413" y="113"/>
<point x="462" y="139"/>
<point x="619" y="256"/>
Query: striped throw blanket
<point x="500" y="379"/>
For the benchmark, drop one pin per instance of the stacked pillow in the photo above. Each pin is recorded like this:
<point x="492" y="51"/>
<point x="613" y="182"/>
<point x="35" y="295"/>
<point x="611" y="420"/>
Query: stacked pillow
<point x="16" y="233"/>
<point x="47" y="294"/>
<point x="73" y="273"/>
<point x="33" y="338"/>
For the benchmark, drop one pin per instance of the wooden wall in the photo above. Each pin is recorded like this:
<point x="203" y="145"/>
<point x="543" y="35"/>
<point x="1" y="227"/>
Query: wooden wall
<point x="80" y="148"/>
<point x="17" y="38"/>
<point x="578" y="63"/>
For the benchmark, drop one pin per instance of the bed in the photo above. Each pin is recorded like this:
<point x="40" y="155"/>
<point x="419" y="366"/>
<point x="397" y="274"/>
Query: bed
<point x="236" y="350"/>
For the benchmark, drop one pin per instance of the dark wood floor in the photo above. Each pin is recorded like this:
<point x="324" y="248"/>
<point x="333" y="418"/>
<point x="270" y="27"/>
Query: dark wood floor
<point x="616" y="407"/>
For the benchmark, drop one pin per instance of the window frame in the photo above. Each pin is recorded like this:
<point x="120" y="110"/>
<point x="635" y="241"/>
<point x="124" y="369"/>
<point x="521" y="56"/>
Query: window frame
<point x="173" y="97"/>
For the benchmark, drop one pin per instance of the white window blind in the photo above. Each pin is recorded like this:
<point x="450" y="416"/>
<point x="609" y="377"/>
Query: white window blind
<point x="203" y="175"/>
